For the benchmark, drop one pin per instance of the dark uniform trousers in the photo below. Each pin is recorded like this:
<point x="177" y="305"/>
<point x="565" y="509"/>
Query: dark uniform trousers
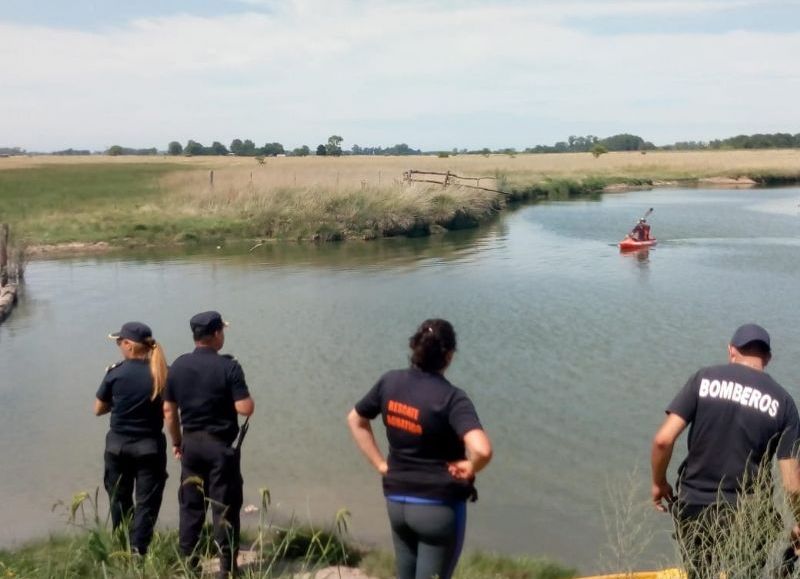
<point x="210" y="474"/>
<point x="135" y="468"/>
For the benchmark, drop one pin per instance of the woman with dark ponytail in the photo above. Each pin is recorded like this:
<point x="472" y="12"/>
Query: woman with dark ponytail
<point x="436" y="446"/>
<point x="136" y="449"/>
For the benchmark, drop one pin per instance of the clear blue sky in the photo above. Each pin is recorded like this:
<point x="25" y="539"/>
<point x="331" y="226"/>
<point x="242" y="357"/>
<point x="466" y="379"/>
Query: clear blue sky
<point x="431" y="73"/>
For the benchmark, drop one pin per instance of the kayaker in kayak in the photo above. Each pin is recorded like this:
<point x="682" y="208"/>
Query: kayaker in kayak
<point x="642" y="231"/>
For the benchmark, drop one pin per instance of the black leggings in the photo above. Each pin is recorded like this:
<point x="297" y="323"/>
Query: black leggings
<point x="427" y="538"/>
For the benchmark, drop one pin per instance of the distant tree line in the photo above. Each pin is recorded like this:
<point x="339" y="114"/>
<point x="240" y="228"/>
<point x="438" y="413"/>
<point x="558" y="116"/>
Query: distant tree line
<point x="757" y="141"/>
<point x="399" y="149"/>
<point x="116" y="150"/>
<point x="238" y="147"/>
<point x="576" y="144"/>
<point x="69" y="152"/>
<point x="333" y="147"/>
<point x="248" y="148"/>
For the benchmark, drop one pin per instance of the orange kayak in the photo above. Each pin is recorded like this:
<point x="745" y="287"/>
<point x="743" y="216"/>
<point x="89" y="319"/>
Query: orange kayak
<point x="629" y="243"/>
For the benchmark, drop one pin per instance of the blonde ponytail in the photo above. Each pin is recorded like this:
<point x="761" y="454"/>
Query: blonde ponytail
<point x="152" y="351"/>
<point x="158" y="370"/>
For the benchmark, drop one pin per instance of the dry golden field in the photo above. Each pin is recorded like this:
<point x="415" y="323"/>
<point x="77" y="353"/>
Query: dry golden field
<point x="158" y="200"/>
<point x="523" y="168"/>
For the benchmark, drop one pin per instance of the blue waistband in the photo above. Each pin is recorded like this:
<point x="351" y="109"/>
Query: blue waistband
<point x="416" y="500"/>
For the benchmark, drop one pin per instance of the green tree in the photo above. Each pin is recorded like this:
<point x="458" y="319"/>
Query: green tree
<point x="273" y="149"/>
<point x="175" y="148"/>
<point x="193" y="148"/>
<point x="236" y="146"/>
<point x="626" y="142"/>
<point x="322" y="151"/>
<point x="114" y="150"/>
<point x="334" y="146"/>
<point x="218" y="148"/>
<point x="598" y="150"/>
<point x="248" y="148"/>
<point x="303" y="151"/>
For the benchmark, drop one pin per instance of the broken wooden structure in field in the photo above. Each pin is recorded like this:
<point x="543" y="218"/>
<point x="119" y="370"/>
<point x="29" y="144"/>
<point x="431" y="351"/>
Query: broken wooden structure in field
<point x="448" y="178"/>
<point x="8" y="290"/>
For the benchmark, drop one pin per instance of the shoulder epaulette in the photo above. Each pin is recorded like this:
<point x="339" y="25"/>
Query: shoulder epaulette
<point x="114" y="365"/>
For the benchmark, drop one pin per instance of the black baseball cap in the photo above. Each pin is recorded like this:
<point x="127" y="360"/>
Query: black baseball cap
<point x="207" y="322"/>
<point x="134" y="331"/>
<point x="750" y="333"/>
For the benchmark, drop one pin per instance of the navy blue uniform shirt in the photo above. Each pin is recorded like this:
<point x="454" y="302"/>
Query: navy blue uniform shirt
<point x="127" y="387"/>
<point x="426" y="419"/>
<point x="205" y="386"/>
<point x="739" y="418"/>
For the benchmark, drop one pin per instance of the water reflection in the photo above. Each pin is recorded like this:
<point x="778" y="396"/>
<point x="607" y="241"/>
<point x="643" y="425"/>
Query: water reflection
<point x="384" y="253"/>
<point x="641" y="255"/>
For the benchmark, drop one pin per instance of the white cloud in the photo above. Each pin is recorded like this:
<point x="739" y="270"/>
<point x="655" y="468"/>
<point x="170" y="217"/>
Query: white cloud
<point x="382" y="72"/>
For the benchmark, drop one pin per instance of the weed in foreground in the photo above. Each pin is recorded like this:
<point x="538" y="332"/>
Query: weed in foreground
<point x="746" y="540"/>
<point x="92" y="550"/>
<point x="626" y="517"/>
<point x="742" y="541"/>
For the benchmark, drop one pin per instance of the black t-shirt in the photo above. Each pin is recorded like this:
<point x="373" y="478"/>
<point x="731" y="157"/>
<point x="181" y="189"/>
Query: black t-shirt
<point x="127" y="387"/>
<point x="426" y="419"/>
<point x="738" y="418"/>
<point x="205" y="387"/>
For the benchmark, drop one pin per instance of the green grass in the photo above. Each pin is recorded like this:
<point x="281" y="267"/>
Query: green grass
<point x="98" y="556"/>
<point x="83" y="202"/>
<point x="478" y="565"/>
<point x="56" y="188"/>
<point x="93" y="551"/>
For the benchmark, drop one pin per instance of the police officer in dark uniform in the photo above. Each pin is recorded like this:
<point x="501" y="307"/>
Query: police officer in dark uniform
<point x="205" y="394"/>
<point x="136" y="449"/>
<point x="739" y="419"/>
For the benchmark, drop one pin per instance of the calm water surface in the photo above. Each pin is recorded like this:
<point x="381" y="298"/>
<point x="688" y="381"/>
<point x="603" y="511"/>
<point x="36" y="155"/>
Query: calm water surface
<point x="569" y="349"/>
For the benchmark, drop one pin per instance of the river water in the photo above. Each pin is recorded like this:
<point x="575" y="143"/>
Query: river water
<point x="569" y="349"/>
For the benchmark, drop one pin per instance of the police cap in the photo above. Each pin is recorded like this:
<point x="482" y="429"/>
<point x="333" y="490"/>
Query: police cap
<point x="207" y="322"/>
<point x="134" y="331"/>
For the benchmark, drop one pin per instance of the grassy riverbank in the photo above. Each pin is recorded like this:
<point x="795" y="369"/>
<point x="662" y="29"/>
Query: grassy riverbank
<point x="159" y="201"/>
<point x="299" y="552"/>
<point x="268" y="550"/>
<point x="79" y="558"/>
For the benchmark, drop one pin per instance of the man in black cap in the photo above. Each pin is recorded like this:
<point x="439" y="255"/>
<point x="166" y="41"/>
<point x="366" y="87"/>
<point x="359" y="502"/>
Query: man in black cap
<point x="740" y="418"/>
<point x="209" y="391"/>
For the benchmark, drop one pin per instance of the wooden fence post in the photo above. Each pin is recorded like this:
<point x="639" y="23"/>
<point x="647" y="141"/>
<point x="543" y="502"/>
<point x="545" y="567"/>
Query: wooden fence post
<point x="211" y="177"/>
<point x="3" y="254"/>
